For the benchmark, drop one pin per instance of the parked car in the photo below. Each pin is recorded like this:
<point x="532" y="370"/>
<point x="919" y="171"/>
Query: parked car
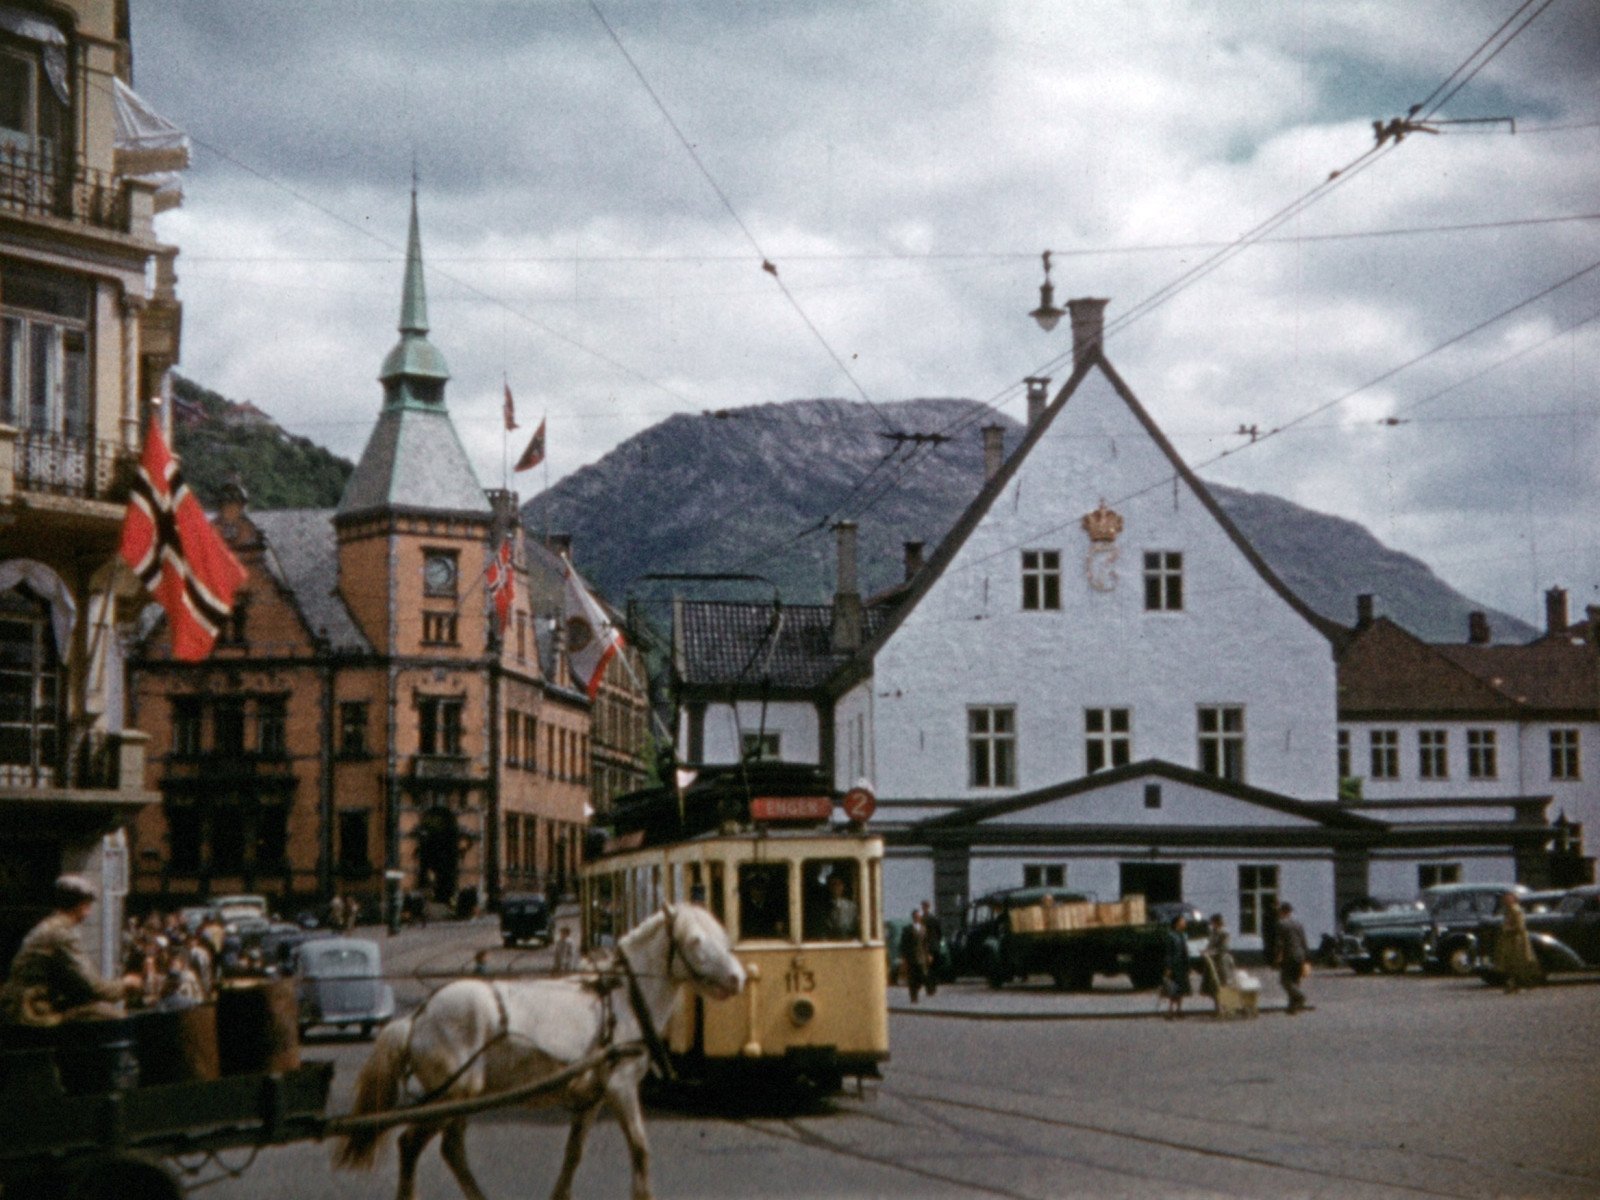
<point x="278" y="944"/>
<point x="1565" y="936"/>
<point x="339" y="982"/>
<point x="1439" y="930"/>
<point x="524" y="919"/>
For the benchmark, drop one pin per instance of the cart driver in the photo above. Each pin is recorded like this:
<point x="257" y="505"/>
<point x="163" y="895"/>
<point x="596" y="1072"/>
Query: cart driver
<point x="52" y="979"/>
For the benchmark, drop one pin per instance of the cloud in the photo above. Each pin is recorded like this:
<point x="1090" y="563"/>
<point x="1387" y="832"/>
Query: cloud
<point x="904" y="166"/>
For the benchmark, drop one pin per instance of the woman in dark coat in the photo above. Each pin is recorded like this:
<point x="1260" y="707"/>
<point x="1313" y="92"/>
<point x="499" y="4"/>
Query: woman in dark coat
<point x="1175" y="976"/>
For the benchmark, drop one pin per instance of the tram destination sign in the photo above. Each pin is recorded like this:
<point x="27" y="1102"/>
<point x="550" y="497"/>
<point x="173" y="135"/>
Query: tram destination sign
<point x="791" y="808"/>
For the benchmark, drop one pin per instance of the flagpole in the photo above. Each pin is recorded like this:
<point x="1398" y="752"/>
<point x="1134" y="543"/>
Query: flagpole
<point x="544" y="494"/>
<point x="505" y="439"/>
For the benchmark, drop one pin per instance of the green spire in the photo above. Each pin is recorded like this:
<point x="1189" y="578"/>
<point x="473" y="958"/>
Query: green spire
<point x="414" y="297"/>
<point x="414" y="371"/>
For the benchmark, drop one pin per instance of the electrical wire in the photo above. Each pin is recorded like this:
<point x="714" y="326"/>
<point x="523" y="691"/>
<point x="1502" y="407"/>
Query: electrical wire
<point x="767" y="264"/>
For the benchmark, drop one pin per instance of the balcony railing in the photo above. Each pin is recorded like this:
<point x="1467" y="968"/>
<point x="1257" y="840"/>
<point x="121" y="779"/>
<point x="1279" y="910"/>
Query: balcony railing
<point x="63" y="465"/>
<point x="37" y="180"/>
<point x="441" y="766"/>
<point x="94" y="763"/>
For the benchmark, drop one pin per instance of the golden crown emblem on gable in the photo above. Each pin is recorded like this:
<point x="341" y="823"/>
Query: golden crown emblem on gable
<point x="1103" y="524"/>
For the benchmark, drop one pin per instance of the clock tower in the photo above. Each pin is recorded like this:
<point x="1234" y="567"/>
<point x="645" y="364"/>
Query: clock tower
<point x="413" y="531"/>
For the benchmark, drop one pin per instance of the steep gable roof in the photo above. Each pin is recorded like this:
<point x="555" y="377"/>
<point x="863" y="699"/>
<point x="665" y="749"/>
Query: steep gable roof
<point x="860" y="665"/>
<point x="1547" y="675"/>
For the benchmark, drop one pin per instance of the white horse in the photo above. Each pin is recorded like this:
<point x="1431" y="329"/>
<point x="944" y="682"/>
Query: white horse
<point x="476" y="1035"/>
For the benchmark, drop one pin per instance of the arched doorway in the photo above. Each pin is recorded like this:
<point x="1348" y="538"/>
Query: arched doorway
<point x="438" y="853"/>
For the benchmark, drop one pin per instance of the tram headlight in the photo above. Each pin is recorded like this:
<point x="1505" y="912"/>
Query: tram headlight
<point x="801" y="1010"/>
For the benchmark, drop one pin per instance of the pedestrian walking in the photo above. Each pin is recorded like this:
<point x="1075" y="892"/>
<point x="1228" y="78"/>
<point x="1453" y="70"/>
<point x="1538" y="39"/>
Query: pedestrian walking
<point x="914" y="954"/>
<point x="1514" y="959"/>
<point x="933" y="934"/>
<point x="1175" y="970"/>
<point x="1293" y="958"/>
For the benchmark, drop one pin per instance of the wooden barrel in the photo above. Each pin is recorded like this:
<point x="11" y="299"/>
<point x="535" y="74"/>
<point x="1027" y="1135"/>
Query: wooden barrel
<point x="258" y="1027"/>
<point x="178" y="1046"/>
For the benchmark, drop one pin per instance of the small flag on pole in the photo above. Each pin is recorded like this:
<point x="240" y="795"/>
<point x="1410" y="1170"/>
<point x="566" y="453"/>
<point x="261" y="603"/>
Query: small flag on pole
<point x="511" y="411"/>
<point x="502" y="584"/>
<point x="180" y="558"/>
<point x="534" y="454"/>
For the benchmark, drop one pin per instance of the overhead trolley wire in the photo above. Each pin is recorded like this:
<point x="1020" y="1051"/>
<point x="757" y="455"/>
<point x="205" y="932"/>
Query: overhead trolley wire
<point x="1447" y="89"/>
<point x="767" y="264"/>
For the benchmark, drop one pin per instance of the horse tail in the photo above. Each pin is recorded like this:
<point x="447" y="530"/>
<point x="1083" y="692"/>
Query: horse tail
<point x="377" y="1090"/>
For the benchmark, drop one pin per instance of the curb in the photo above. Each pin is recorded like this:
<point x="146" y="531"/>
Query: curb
<point x="966" y="1014"/>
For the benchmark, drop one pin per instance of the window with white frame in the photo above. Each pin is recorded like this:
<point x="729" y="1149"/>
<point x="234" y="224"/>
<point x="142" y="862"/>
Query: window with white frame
<point x="1564" y="754"/>
<point x="1044" y="875"/>
<point x="1383" y="747"/>
<point x="1433" y="874"/>
<point x="761" y="747"/>
<point x="1482" y="757"/>
<point x="992" y="747"/>
<point x="1258" y="897"/>
<point x="1343" y="753"/>
<point x="44" y="353"/>
<point x="1221" y="738"/>
<point x="1041" y="580"/>
<point x="1163" y="580"/>
<point x="1107" y="738"/>
<point x="1433" y="753"/>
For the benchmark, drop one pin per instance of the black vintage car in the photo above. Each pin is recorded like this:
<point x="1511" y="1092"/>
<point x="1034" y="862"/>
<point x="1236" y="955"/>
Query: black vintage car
<point x="1439" y="931"/>
<point x="524" y="919"/>
<point x="1565" y="936"/>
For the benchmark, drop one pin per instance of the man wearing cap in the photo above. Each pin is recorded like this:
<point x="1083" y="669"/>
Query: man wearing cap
<point x="52" y="979"/>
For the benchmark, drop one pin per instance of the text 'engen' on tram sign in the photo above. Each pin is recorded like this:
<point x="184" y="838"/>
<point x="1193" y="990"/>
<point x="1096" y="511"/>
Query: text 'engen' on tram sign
<point x="791" y="808"/>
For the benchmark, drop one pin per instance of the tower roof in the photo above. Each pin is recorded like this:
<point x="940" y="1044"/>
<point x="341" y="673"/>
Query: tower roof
<point x="414" y="458"/>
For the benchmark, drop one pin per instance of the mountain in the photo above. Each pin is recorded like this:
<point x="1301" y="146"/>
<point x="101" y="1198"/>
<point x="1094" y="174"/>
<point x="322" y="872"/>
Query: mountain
<point x="220" y="441"/>
<point x="742" y="490"/>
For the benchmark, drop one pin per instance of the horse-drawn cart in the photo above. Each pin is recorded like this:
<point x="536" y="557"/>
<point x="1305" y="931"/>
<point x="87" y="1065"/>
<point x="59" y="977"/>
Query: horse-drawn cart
<point x="76" y="1124"/>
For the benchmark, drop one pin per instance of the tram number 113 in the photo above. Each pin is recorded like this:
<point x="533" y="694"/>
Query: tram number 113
<point x="799" y="979"/>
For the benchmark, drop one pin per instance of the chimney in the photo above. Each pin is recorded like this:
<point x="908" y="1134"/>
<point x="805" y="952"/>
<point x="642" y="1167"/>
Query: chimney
<point x="1038" y="397"/>
<point x="913" y="560"/>
<point x="1477" y="629"/>
<point x="1556" y="619"/>
<point x="1364" y="610"/>
<point x="1088" y="327"/>
<point x="847" y="594"/>
<point x="994" y="450"/>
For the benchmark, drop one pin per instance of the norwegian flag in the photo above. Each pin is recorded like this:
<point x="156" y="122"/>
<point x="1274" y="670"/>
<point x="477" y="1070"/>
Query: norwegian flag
<point x="502" y="583"/>
<point x="534" y="454"/>
<point x="592" y="640"/>
<point x="175" y="552"/>
<point x="510" y="410"/>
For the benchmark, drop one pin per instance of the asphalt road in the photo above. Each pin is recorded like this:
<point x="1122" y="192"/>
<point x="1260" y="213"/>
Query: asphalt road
<point x="1413" y="1086"/>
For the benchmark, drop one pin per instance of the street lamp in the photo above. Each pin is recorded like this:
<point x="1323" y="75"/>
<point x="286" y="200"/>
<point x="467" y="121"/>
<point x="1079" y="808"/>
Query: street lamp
<point x="1047" y="314"/>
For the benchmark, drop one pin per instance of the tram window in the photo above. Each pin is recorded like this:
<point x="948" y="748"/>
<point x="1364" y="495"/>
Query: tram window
<point x="832" y="899"/>
<point x="719" y="900"/>
<point x="763" y="900"/>
<point x="696" y="891"/>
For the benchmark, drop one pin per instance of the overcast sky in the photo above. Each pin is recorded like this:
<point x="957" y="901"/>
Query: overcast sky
<point x="903" y="165"/>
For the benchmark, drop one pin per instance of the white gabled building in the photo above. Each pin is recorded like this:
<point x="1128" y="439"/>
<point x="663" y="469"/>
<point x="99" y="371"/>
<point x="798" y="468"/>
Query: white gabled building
<point x="1094" y="680"/>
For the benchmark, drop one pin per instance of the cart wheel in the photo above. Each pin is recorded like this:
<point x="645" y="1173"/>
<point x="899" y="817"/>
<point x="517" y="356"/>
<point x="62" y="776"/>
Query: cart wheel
<point x="121" y="1177"/>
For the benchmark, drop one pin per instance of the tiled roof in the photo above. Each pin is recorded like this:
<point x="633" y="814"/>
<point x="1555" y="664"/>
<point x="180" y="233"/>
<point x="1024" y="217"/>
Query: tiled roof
<point x="302" y="552"/>
<point x="415" y="460"/>
<point x="725" y="642"/>
<point x="1385" y="671"/>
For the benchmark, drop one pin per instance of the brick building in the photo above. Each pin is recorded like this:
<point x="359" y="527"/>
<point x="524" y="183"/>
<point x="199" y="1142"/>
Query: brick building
<point x="89" y="326"/>
<point x="361" y="714"/>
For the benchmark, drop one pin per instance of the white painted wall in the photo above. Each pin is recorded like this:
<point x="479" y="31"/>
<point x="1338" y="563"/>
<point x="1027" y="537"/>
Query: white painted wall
<point x="1523" y="766"/>
<point x="968" y="642"/>
<point x="794" y="721"/>
<point x="1397" y="875"/>
<point x="907" y="881"/>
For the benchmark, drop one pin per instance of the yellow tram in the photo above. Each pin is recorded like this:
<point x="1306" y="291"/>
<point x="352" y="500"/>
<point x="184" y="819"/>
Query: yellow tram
<point x="803" y="904"/>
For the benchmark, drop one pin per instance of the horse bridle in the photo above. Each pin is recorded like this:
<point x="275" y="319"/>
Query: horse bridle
<point x="641" y="1011"/>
